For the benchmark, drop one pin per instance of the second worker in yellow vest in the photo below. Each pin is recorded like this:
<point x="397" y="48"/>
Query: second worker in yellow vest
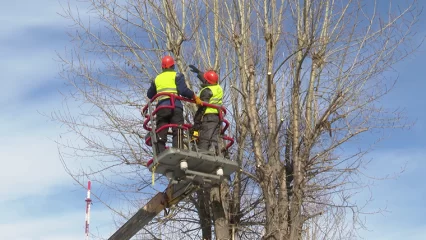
<point x="206" y="119"/>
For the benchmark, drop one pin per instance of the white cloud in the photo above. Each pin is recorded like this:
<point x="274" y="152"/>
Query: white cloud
<point x="31" y="169"/>
<point x="30" y="160"/>
<point x="30" y="33"/>
<point x="30" y="165"/>
<point x="57" y="227"/>
<point x="24" y="13"/>
<point x="21" y="75"/>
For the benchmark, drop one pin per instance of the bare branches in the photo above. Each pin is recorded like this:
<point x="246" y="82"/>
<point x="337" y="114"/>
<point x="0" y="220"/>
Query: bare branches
<point x="301" y="80"/>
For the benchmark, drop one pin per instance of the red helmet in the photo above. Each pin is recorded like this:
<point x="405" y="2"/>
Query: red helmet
<point x="167" y="62"/>
<point x="211" y="77"/>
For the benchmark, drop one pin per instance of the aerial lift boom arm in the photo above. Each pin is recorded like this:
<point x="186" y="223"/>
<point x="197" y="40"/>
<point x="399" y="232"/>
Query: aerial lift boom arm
<point x="173" y="194"/>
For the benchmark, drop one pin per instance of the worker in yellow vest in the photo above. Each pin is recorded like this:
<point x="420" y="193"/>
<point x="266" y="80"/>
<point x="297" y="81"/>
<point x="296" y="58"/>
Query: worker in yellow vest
<point x="206" y="119"/>
<point x="170" y="81"/>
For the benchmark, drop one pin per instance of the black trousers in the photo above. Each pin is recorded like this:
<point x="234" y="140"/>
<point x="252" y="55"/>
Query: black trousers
<point x="209" y="132"/>
<point x="167" y="116"/>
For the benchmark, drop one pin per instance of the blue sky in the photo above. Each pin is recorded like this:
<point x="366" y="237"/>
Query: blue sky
<point x="38" y="200"/>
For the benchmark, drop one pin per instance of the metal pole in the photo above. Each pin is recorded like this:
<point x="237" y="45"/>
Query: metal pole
<point x="88" y="202"/>
<point x="233" y="232"/>
<point x="202" y="174"/>
<point x="153" y="132"/>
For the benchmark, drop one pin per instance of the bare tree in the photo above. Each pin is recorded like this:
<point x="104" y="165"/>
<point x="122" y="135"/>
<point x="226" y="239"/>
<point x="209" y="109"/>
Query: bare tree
<point x="302" y="79"/>
<point x="323" y="93"/>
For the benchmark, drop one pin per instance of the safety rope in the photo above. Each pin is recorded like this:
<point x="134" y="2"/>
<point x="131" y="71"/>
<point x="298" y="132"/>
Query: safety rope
<point x="153" y="174"/>
<point x="179" y="133"/>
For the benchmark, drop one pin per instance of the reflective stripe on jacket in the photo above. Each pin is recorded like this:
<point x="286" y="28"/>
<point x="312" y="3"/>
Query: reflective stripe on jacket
<point x="215" y="99"/>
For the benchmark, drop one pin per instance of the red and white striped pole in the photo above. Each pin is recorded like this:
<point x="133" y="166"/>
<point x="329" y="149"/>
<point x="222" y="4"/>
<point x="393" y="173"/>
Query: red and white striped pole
<point x="88" y="202"/>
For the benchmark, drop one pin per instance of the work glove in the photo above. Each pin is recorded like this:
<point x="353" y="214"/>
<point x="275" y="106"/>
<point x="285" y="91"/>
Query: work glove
<point x="198" y="100"/>
<point x="194" y="69"/>
<point x="201" y="77"/>
<point x="199" y="73"/>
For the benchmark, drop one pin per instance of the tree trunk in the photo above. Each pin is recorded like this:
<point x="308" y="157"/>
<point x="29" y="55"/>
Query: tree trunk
<point x="268" y="188"/>
<point x="221" y="223"/>
<point x="204" y="214"/>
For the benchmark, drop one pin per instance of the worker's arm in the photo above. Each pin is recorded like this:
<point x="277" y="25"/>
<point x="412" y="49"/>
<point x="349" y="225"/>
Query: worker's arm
<point x="151" y="91"/>
<point x="182" y="89"/>
<point x="198" y="118"/>
<point x="200" y="75"/>
<point x="206" y="94"/>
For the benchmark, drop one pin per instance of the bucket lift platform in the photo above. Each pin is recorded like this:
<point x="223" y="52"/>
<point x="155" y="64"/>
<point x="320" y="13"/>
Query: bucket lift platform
<point x="188" y="162"/>
<point x="181" y="164"/>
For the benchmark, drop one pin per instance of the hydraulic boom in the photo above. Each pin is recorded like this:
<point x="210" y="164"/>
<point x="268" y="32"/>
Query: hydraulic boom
<point x="173" y="194"/>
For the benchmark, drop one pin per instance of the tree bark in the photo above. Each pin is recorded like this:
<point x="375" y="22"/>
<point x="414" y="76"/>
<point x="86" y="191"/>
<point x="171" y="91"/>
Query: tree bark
<point x="221" y="223"/>
<point x="203" y="201"/>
